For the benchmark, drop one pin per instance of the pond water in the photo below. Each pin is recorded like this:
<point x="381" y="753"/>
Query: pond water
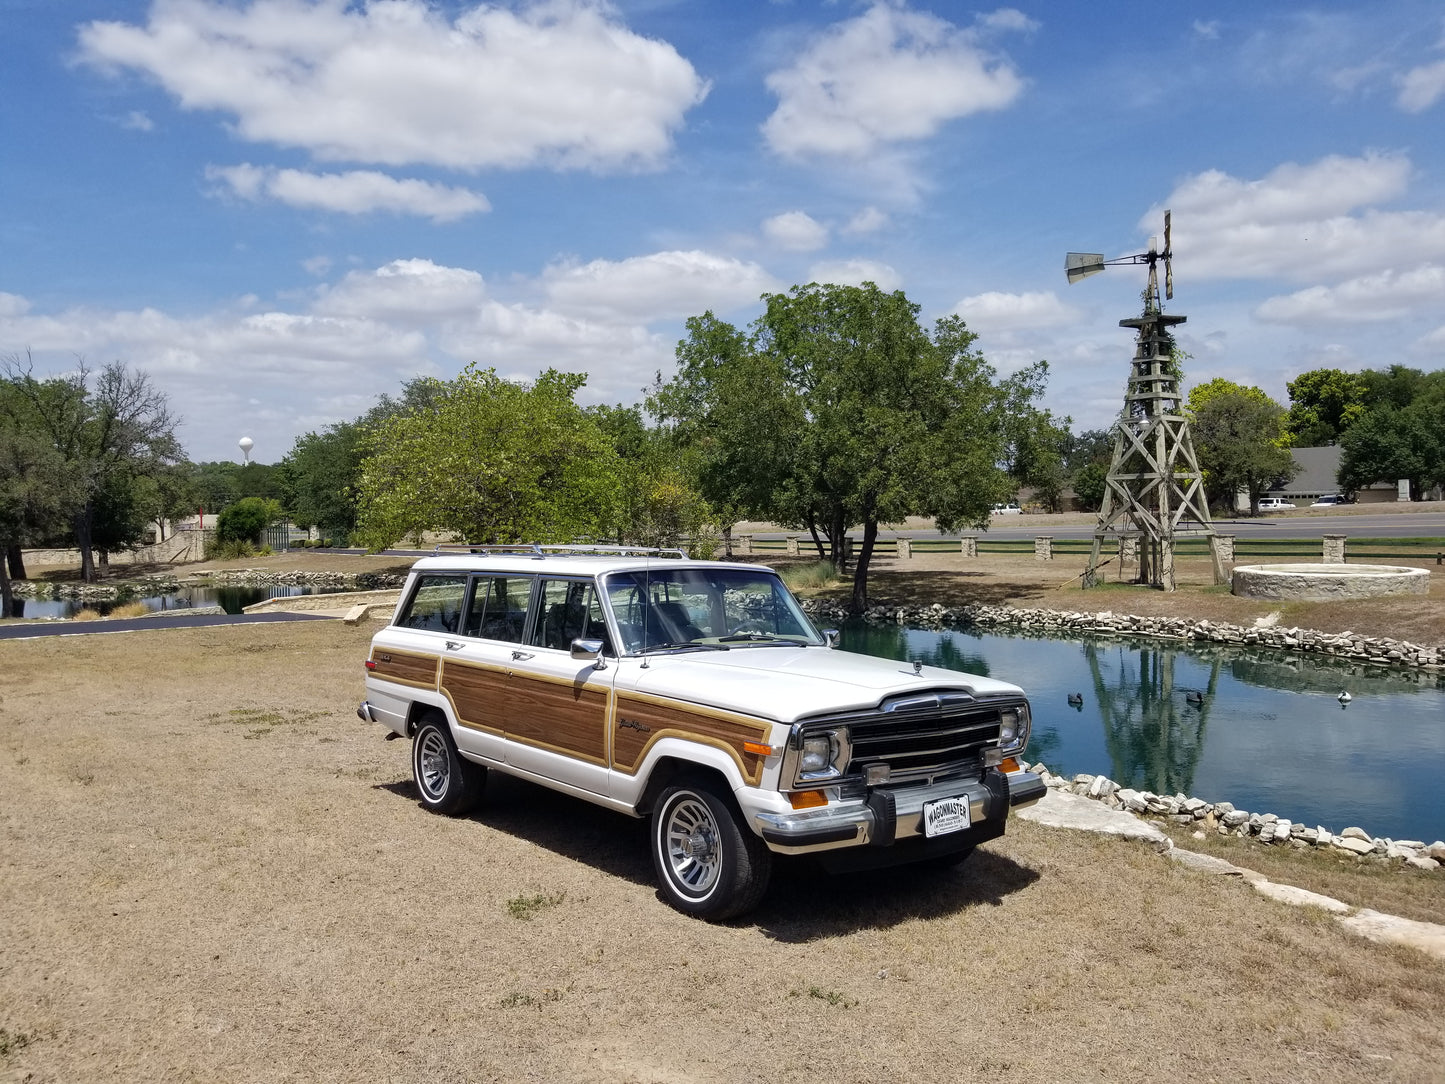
<point x="1269" y="735"/>
<point x="232" y="599"/>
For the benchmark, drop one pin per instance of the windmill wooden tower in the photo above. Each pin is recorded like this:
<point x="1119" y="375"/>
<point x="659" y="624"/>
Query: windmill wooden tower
<point x="1154" y="485"/>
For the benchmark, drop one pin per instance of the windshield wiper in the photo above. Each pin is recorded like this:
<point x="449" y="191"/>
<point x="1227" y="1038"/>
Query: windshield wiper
<point x="689" y="646"/>
<point x="755" y="637"/>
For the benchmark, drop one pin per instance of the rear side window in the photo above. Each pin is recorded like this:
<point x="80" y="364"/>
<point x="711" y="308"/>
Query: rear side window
<point x="436" y="604"/>
<point x="499" y="607"/>
<point x="570" y="610"/>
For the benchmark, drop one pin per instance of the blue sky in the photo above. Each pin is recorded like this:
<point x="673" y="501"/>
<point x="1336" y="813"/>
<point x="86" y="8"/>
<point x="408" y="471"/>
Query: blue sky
<point x="281" y="209"/>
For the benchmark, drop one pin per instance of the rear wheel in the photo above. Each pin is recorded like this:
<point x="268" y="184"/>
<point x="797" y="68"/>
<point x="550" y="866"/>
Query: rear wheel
<point x="446" y="781"/>
<point x="708" y="864"/>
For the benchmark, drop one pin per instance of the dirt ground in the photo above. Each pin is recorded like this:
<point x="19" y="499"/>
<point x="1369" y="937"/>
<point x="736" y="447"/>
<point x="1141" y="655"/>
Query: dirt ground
<point x="213" y="871"/>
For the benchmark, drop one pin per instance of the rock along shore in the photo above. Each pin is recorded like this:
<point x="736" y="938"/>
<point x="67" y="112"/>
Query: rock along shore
<point x="1346" y="646"/>
<point x="165" y="583"/>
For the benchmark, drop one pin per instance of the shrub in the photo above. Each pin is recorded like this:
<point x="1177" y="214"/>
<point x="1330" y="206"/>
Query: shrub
<point x="244" y="520"/>
<point x="813" y="575"/>
<point x="217" y="550"/>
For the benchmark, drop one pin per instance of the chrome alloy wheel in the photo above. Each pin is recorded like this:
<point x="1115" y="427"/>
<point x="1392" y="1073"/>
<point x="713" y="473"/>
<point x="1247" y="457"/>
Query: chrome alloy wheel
<point x="433" y="765"/>
<point x="693" y="851"/>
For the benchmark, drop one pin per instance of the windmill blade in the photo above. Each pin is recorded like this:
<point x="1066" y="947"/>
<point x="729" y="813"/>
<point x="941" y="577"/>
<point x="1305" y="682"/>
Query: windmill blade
<point x="1168" y="277"/>
<point x="1167" y="248"/>
<point x="1080" y="265"/>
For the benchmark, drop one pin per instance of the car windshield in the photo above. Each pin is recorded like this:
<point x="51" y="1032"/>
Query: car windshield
<point x="705" y="608"/>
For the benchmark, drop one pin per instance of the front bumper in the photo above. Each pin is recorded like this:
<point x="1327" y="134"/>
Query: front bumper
<point x="887" y="816"/>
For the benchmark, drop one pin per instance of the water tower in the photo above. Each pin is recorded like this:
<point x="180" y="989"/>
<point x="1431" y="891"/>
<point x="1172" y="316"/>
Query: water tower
<point x="246" y="444"/>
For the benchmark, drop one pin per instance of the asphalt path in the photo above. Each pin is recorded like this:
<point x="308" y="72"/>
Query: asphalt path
<point x="29" y="630"/>
<point x="1398" y="525"/>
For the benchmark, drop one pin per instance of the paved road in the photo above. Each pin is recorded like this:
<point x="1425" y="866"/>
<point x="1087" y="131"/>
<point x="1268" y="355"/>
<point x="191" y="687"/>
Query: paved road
<point x="28" y="630"/>
<point x="1399" y="525"/>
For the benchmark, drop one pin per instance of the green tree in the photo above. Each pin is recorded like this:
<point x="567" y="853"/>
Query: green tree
<point x="1090" y="481"/>
<point x="1240" y="439"/>
<point x="839" y="409"/>
<point x="1390" y="443"/>
<point x="490" y="460"/>
<point x="120" y="428"/>
<point x="1323" y="404"/>
<point x="320" y="476"/>
<point x="34" y="488"/>
<point x="244" y="520"/>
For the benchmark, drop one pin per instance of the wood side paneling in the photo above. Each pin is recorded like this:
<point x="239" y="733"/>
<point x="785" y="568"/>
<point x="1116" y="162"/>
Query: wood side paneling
<point x="564" y="716"/>
<point x="639" y="722"/>
<point x="478" y="694"/>
<point x="406" y="667"/>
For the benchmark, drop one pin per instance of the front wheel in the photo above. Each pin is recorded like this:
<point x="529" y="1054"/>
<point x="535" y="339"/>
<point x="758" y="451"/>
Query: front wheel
<point x="708" y="864"/>
<point x="447" y="783"/>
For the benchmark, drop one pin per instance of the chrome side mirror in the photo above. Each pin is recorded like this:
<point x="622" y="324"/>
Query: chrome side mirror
<point x="832" y="636"/>
<point x="589" y="651"/>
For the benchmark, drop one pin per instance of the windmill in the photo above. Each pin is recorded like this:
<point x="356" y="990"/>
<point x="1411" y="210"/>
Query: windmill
<point x="1154" y="484"/>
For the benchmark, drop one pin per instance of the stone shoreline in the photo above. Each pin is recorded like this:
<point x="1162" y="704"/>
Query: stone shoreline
<point x="1345" y="646"/>
<point x="165" y="583"/>
<point x="1223" y="819"/>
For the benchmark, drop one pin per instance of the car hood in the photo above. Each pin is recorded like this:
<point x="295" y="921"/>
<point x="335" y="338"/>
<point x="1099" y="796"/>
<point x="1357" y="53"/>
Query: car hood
<point x="791" y="683"/>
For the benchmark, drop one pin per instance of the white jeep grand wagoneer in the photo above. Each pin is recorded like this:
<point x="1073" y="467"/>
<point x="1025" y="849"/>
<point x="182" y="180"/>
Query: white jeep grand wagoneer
<point x="697" y="694"/>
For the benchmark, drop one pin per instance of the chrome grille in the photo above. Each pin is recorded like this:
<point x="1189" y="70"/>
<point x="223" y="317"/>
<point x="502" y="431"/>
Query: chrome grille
<point x="921" y="735"/>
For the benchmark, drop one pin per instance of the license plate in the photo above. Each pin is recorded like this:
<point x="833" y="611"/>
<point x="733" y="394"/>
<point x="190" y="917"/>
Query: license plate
<point x="944" y="816"/>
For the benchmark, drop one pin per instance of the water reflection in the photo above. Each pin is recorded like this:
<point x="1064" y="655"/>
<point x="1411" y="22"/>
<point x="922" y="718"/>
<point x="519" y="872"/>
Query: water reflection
<point x="233" y="600"/>
<point x="1265" y="730"/>
<point x="1153" y="729"/>
<point x="915" y="645"/>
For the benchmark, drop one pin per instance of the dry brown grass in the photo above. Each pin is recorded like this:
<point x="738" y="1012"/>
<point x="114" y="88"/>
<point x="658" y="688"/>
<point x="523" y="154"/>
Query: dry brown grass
<point x="1381" y="885"/>
<point x="213" y="871"/>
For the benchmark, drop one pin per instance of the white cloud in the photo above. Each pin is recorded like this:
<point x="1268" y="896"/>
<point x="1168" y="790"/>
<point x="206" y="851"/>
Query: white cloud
<point x="856" y="273"/>
<point x="1299" y="221"/>
<point x="886" y="76"/>
<point x="1422" y="87"/>
<point x="1206" y="29"/>
<point x="355" y="193"/>
<point x="796" y="231"/>
<point x="406" y="291"/>
<point x="1388" y="295"/>
<point x="560" y="83"/>
<point x="317" y="265"/>
<point x="1008" y="19"/>
<point x="868" y="220"/>
<point x="137" y="121"/>
<point x="662" y="285"/>
<point x="278" y="371"/>
<point x="1431" y="343"/>
<point x="1000" y="312"/>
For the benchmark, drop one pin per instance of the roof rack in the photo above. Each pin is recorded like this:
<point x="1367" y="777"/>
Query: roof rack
<point x="532" y="549"/>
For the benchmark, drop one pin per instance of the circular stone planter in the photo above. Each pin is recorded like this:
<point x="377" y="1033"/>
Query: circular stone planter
<point x="1323" y="583"/>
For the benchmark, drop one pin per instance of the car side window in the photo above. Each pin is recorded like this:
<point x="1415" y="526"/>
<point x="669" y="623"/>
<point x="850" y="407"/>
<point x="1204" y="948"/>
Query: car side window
<point x="569" y="610"/>
<point x="498" y="609"/>
<point x="436" y="604"/>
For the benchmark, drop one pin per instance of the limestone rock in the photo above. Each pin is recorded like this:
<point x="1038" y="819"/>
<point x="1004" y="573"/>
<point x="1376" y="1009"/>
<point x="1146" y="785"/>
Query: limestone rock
<point x="1353" y="845"/>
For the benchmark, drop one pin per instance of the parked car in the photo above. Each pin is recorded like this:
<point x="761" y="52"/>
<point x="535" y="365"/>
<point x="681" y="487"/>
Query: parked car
<point x="1330" y="500"/>
<point x="1010" y="509"/>
<point x="697" y="694"/>
<point x="1275" y="504"/>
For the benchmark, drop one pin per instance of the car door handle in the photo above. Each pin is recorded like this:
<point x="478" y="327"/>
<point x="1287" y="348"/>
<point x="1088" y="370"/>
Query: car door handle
<point x="520" y="656"/>
<point x="453" y="645"/>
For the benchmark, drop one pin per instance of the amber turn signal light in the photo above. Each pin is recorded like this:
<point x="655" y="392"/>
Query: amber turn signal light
<point x="807" y="799"/>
